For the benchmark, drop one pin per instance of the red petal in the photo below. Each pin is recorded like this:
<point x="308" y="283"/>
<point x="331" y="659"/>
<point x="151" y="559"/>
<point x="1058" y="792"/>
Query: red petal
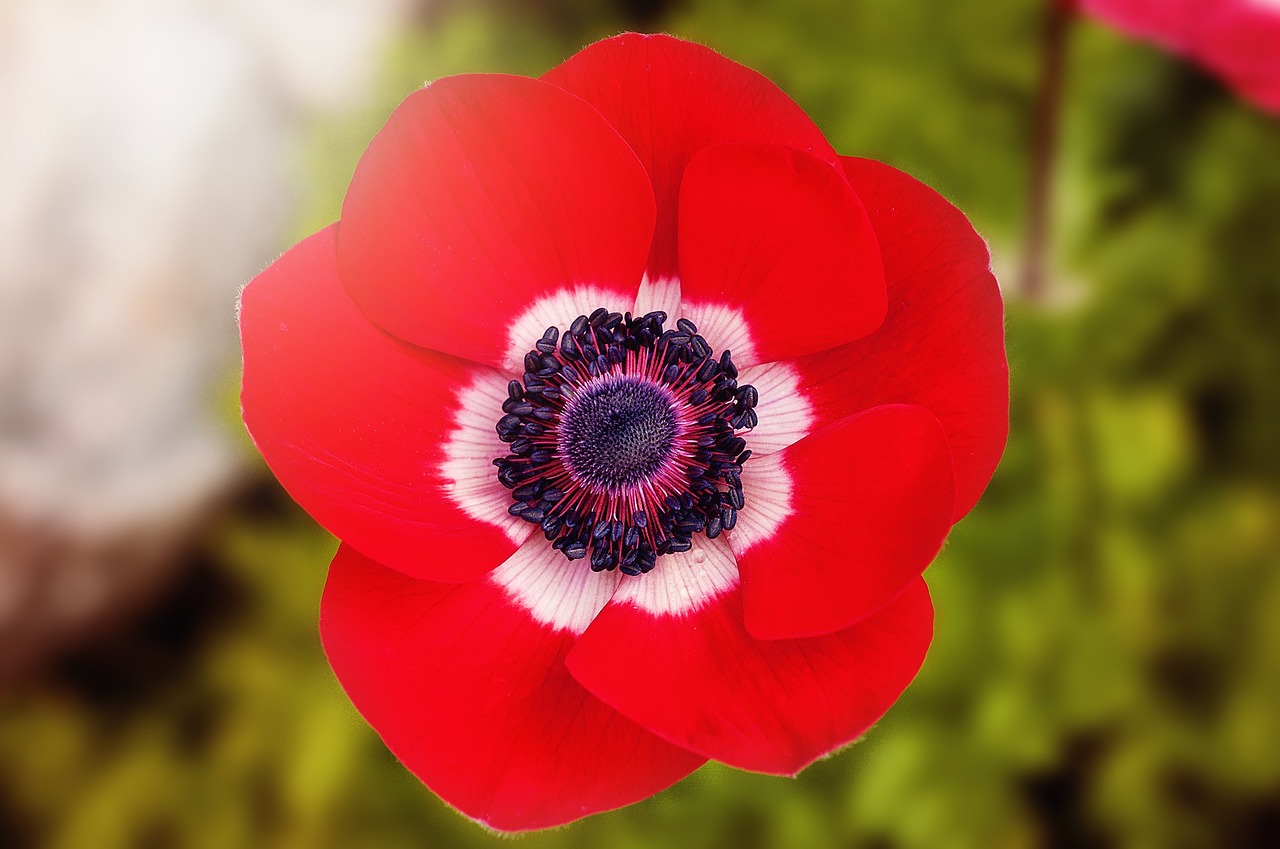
<point x="671" y="98"/>
<point x="781" y="234"/>
<point x="701" y="681"/>
<point x="1169" y="22"/>
<point x="941" y="345"/>
<point x="1241" y="41"/>
<point x="481" y="195"/>
<point x="472" y="695"/>
<point x="369" y="435"/>
<point x="869" y="504"/>
<point x="1236" y="39"/>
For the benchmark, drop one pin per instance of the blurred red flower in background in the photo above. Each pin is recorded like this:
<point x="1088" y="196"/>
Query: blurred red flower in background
<point x="1239" y="40"/>
<point x="639" y="413"/>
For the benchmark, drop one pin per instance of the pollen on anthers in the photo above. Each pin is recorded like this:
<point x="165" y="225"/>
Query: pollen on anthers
<point x="623" y="439"/>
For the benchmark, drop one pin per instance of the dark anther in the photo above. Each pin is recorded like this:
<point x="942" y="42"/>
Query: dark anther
<point x="727" y="366"/>
<point x="728" y="517"/>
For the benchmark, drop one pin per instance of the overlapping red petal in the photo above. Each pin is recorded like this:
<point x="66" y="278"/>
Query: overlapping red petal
<point x="757" y="223"/>
<point x="473" y="695"/>
<point x="764" y="705"/>
<point x="670" y="99"/>
<point x="870" y="504"/>
<point x="942" y="342"/>
<point x="481" y="194"/>
<point x="1237" y="39"/>
<point x="353" y="423"/>
<point x="1172" y="22"/>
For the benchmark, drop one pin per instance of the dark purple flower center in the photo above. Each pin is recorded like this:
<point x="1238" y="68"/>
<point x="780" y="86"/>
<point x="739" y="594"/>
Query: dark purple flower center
<point x="623" y="439"/>
<point x="617" y="432"/>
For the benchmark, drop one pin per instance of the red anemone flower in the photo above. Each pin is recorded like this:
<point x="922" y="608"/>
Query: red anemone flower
<point x="639" y="413"/>
<point x="1239" y="40"/>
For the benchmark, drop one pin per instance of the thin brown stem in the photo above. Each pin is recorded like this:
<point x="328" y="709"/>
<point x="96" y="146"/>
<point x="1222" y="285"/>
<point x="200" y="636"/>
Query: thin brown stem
<point x="1044" y="142"/>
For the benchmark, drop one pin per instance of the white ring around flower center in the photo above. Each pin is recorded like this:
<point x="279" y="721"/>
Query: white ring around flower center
<point x="786" y="414"/>
<point x="467" y="469"/>
<point x="769" y="503"/>
<point x="558" y="310"/>
<point x="684" y="581"/>
<point x="725" y="327"/>
<point x="558" y="593"/>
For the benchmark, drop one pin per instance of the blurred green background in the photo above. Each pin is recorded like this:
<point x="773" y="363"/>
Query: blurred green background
<point x="1106" y="670"/>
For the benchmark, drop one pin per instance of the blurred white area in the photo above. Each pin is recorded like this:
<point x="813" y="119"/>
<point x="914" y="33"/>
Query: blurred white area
<point x="145" y="174"/>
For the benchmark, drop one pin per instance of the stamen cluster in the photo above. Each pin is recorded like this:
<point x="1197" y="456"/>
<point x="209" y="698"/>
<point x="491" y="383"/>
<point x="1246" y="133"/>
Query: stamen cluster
<point x="623" y="439"/>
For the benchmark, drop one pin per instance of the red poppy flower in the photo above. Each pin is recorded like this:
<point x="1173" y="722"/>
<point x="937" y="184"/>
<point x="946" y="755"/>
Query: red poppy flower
<point x="1239" y="40"/>
<point x="639" y="413"/>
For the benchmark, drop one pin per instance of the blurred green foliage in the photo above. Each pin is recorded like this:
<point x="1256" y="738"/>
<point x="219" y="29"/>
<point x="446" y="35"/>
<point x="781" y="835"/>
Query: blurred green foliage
<point x="1108" y="643"/>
